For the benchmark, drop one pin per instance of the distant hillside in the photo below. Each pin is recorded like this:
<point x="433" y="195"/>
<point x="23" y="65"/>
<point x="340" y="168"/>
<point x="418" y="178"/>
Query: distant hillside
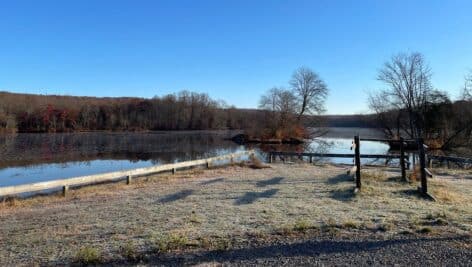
<point x="362" y="121"/>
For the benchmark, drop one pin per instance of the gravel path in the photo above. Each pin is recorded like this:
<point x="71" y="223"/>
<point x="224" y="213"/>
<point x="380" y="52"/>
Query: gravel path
<point x="413" y="251"/>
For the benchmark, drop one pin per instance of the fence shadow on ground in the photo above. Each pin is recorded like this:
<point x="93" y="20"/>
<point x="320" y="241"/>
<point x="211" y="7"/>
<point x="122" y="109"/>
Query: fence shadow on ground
<point x="271" y="181"/>
<point x="251" y="197"/>
<point x="344" y="194"/>
<point x="339" y="179"/>
<point x="410" y="192"/>
<point x="176" y="196"/>
<point x="213" y="181"/>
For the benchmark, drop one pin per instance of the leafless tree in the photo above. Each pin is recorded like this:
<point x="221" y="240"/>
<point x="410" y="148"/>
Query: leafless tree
<point x="467" y="91"/>
<point x="281" y="103"/>
<point x="408" y="80"/>
<point x="310" y="90"/>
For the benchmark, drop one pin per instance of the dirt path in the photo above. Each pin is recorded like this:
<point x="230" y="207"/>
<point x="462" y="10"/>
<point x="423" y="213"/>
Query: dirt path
<point x="287" y="213"/>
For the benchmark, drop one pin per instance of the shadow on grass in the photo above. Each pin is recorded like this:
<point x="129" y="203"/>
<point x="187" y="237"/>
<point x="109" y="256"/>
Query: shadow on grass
<point x="176" y="196"/>
<point x="394" y="179"/>
<point x="251" y="197"/>
<point x="345" y="194"/>
<point x="339" y="179"/>
<point x="376" y="249"/>
<point x="217" y="180"/>
<point x="272" y="181"/>
<point x="409" y="193"/>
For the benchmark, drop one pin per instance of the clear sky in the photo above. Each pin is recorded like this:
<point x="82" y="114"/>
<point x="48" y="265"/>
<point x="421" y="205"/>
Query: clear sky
<point x="232" y="49"/>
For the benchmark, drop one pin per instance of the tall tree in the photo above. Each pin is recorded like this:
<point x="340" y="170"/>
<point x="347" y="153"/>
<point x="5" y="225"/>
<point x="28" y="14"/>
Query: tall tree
<point x="310" y="90"/>
<point x="408" y="88"/>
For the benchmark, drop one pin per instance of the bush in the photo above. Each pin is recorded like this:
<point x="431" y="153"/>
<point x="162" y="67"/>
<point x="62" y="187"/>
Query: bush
<point x="88" y="255"/>
<point x="129" y="251"/>
<point x="170" y="242"/>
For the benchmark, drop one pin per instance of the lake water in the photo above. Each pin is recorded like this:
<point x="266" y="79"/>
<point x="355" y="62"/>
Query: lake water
<point x="27" y="158"/>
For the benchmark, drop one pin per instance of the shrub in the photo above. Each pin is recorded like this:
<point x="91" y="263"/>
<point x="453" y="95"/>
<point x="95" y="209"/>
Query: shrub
<point x="88" y="255"/>
<point x="170" y="242"/>
<point x="302" y="225"/>
<point x="129" y="251"/>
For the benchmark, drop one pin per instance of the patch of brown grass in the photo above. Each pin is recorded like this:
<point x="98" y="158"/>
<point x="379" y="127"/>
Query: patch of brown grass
<point x="256" y="163"/>
<point x="446" y="195"/>
<point x="351" y="225"/>
<point x="302" y="225"/>
<point x="9" y="202"/>
<point x="374" y="175"/>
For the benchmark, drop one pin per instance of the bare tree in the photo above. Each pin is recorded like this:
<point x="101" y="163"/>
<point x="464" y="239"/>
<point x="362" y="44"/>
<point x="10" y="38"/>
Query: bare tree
<point x="281" y="103"/>
<point x="467" y="91"/>
<point x="270" y="99"/>
<point x="310" y="90"/>
<point x="409" y="89"/>
<point x="387" y="118"/>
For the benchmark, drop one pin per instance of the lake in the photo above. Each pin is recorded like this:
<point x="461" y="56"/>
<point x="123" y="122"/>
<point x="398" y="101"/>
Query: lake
<point x="27" y="158"/>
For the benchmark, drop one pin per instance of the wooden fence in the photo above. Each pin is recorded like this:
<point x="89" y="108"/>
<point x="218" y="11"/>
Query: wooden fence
<point x="356" y="169"/>
<point x="424" y="172"/>
<point x="118" y="175"/>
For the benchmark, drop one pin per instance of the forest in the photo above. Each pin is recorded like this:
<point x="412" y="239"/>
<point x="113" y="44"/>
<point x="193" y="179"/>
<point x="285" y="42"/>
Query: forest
<point x="180" y="111"/>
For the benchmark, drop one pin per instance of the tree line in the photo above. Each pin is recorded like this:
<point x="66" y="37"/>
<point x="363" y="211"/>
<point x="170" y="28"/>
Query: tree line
<point x="181" y="111"/>
<point x="283" y="112"/>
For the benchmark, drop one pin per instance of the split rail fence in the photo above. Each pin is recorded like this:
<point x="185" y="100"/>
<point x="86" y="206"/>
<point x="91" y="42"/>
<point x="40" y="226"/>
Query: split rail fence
<point x="357" y="156"/>
<point x="127" y="175"/>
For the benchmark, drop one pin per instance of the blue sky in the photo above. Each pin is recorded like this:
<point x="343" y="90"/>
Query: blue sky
<point x="234" y="50"/>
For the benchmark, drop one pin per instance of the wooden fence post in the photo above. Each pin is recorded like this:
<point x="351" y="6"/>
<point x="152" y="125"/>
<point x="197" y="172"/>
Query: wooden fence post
<point x="422" y="155"/>
<point x="357" y="161"/>
<point x="402" y="158"/>
<point x="65" y="189"/>
<point x="128" y="179"/>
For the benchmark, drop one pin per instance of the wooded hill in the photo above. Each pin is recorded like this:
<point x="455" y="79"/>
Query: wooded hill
<point x="52" y="113"/>
<point x="182" y="111"/>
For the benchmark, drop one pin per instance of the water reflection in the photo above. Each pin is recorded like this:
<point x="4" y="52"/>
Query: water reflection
<point x="29" y="158"/>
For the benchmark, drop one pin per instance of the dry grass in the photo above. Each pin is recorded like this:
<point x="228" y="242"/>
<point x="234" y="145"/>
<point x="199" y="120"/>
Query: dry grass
<point x="443" y="192"/>
<point x="256" y="163"/>
<point x="213" y="209"/>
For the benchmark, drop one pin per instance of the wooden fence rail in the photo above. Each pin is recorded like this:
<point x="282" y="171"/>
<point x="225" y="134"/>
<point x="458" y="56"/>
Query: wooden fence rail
<point x="113" y="176"/>
<point x="356" y="169"/>
<point x="448" y="159"/>
<point x="329" y="155"/>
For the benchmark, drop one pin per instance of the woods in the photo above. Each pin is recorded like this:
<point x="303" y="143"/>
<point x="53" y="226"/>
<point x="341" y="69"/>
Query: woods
<point x="284" y="113"/>
<point x="181" y="111"/>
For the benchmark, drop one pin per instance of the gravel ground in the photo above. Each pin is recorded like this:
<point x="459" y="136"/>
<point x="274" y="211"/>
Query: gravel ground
<point x="289" y="214"/>
<point x="403" y="251"/>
